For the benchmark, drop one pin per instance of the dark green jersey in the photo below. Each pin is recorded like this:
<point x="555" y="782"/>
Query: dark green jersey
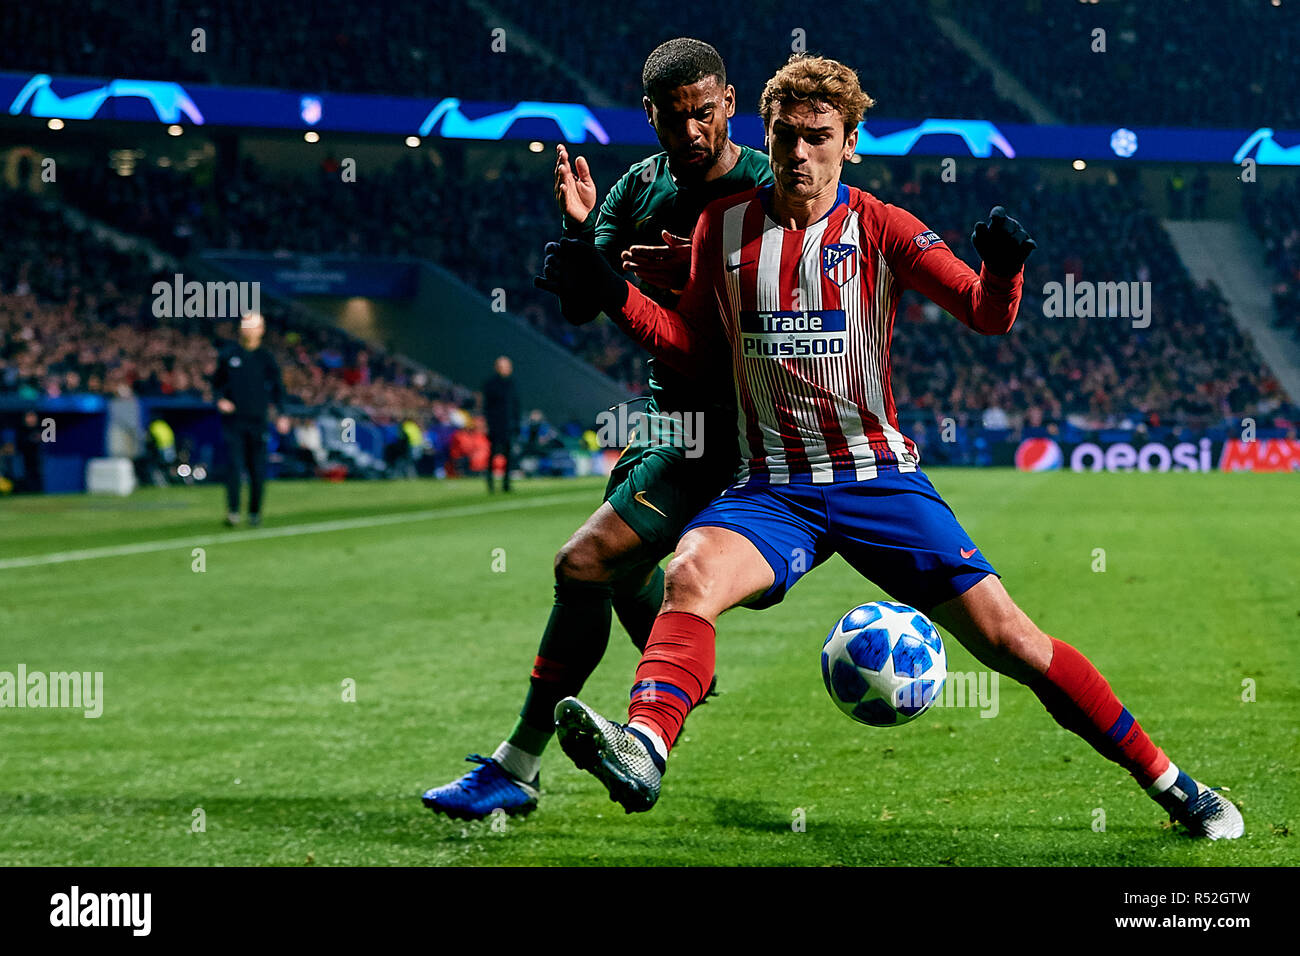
<point x="645" y="201"/>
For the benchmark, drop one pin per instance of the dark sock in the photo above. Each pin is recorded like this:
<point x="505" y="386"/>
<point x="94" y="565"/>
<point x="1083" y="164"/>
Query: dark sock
<point x="637" y="610"/>
<point x="572" y="645"/>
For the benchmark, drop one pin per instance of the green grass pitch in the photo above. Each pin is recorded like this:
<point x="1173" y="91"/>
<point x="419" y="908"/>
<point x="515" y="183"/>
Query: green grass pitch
<point x="224" y="687"/>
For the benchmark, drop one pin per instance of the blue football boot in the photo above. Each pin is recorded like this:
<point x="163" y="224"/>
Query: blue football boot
<point x="485" y="788"/>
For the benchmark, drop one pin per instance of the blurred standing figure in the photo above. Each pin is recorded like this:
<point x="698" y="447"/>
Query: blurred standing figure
<point x="247" y="380"/>
<point x="501" y="409"/>
<point x="29" y="451"/>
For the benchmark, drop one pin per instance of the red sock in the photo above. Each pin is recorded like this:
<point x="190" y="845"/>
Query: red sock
<point x="674" y="674"/>
<point x="1078" y="697"/>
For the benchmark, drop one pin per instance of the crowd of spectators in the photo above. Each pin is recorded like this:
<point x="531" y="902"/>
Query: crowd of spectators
<point x="453" y="48"/>
<point x="74" y="309"/>
<point x="395" y="47"/>
<point x="487" y="225"/>
<point x="1154" y="69"/>
<point x="76" y="316"/>
<point x="1228" y="64"/>
<point x="1275" y="216"/>
<point x="1191" y="363"/>
<point x="907" y="65"/>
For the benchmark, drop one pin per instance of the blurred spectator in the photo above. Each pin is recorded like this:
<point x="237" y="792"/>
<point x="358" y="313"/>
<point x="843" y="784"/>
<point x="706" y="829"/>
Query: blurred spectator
<point x="159" y="454"/>
<point x="501" y="412"/>
<point x="471" y="451"/>
<point x="539" y="437"/>
<point x="29" y="450"/>
<point x="285" y="454"/>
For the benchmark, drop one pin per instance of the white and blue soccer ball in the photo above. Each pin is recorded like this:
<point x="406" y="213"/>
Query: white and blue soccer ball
<point x="884" y="663"/>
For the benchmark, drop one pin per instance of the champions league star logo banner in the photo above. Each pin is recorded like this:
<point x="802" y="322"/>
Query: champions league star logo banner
<point x="42" y="95"/>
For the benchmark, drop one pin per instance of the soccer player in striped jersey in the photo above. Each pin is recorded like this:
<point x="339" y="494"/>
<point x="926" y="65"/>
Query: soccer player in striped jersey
<point x="793" y="291"/>
<point x="658" y="484"/>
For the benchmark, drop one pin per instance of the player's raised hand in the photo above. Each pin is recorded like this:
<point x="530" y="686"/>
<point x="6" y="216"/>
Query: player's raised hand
<point x="586" y="285"/>
<point x="1002" y="243"/>
<point x="575" y="190"/>
<point x="667" y="266"/>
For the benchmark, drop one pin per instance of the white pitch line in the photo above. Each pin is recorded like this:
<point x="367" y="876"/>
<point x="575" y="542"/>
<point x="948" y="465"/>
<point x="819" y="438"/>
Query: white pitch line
<point x="289" y="531"/>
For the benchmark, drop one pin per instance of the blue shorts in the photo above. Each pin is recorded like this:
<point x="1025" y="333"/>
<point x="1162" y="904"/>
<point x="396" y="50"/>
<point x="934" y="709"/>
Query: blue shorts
<point x="893" y="529"/>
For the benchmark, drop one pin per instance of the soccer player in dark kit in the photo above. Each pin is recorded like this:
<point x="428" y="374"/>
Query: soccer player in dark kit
<point x="246" y="382"/>
<point x="612" y="561"/>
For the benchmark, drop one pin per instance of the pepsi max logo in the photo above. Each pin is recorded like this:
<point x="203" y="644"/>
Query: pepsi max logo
<point x="1039" y="454"/>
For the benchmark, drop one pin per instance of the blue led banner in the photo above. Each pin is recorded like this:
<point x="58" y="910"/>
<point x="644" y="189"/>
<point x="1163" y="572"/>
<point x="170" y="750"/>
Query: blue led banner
<point x="155" y="101"/>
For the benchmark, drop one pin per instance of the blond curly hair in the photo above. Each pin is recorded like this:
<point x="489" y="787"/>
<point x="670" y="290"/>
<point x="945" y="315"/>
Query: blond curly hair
<point x="823" y="83"/>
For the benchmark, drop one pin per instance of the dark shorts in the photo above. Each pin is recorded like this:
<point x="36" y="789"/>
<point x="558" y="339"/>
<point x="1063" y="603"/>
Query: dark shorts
<point x="894" y="530"/>
<point x="657" y="489"/>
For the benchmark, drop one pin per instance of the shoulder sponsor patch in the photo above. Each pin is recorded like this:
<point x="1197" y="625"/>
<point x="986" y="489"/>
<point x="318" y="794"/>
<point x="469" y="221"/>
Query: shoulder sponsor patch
<point x="926" y="239"/>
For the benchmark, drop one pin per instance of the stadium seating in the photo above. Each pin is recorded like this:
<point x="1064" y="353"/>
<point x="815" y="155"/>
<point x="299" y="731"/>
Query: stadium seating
<point x="399" y="47"/>
<point x="1154" y="62"/>
<point x="1154" y="70"/>
<point x="403" y="47"/>
<point x="76" y="316"/>
<point x="1191" y="364"/>
<point x="1275" y="216"/>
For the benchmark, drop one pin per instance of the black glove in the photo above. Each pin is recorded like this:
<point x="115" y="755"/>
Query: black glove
<point x="584" y="281"/>
<point x="1002" y="243"/>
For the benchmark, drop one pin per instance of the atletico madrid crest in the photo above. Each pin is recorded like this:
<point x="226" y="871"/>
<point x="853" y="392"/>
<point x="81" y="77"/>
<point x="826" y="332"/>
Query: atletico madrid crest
<point x="840" y="261"/>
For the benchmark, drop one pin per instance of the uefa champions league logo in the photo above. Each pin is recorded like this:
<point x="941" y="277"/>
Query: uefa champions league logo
<point x="574" y="120"/>
<point x="169" y="100"/>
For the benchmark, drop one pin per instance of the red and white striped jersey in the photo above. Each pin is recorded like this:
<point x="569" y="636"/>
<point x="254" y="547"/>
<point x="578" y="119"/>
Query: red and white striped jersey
<point x="806" y="316"/>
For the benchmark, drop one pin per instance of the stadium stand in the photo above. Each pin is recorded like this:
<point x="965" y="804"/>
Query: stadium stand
<point x="76" y="317"/>
<point x="756" y="36"/>
<point x="1154" y="70"/>
<point x="398" y="47"/>
<point x="1190" y="365"/>
<point x="402" y="47"/>
<point x="1275" y="216"/>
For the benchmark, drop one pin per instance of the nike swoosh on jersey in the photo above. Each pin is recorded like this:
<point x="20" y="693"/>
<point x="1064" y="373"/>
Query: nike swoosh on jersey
<point x="731" y="268"/>
<point x="967" y="554"/>
<point x="640" y="499"/>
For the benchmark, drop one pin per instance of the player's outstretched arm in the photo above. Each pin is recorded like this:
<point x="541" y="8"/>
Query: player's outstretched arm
<point x="587" y="285"/>
<point x="575" y="191"/>
<point x="987" y="302"/>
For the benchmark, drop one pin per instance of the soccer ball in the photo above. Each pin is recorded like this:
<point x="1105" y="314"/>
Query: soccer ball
<point x="884" y="663"/>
